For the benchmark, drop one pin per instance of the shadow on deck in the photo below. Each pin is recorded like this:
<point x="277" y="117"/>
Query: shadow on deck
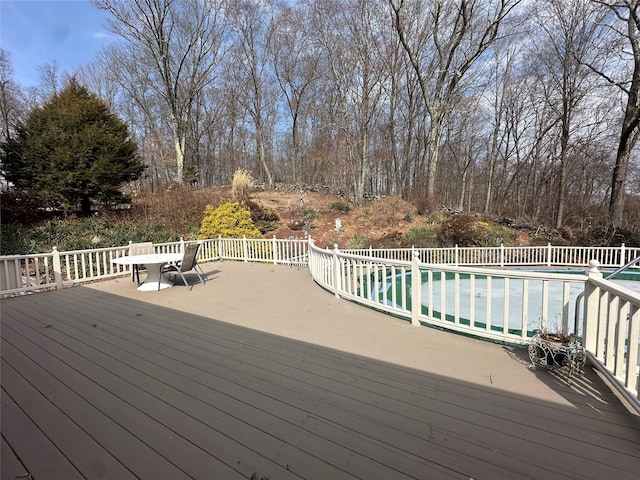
<point x="262" y="373"/>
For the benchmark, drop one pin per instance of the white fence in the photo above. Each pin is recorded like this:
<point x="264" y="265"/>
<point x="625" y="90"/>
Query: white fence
<point x="24" y="273"/>
<point x="499" y="305"/>
<point x="612" y="333"/>
<point x="492" y="303"/>
<point x="547" y="255"/>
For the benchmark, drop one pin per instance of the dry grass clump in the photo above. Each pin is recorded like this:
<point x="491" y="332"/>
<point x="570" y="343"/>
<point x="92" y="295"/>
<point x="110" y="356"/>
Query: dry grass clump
<point x="241" y="186"/>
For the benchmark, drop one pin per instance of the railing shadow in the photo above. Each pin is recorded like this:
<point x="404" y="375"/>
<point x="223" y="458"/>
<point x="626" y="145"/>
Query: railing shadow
<point x="253" y="402"/>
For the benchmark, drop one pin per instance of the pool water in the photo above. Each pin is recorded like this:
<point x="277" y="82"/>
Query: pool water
<point x="490" y="307"/>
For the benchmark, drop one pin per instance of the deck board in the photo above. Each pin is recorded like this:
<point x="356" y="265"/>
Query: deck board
<point x="38" y="453"/>
<point x="262" y="372"/>
<point x="133" y="401"/>
<point x="11" y="466"/>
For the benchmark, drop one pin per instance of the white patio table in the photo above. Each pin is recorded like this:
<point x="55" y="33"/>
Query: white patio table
<point x="153" y="262"/>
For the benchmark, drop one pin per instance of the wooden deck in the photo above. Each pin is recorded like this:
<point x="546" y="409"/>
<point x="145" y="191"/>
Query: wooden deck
<point x="262" y="374"/>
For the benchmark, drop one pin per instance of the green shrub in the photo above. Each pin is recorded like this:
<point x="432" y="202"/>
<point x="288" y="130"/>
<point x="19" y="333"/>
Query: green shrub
<point x="266" y="219"/>
<point x="80" y="234"/>
<point x="339" y="206"/>
<point x="465" y="230"/>
<point x="364" y="217"/>
<point x="229" y="220"/>
<point x="51" y="233"/>
<point x="310" y="214"/>
<point x="15" y="240"/>
<point x="359" y="241"/>
<point x="422" y="232"/>
<point x="495" y="235"/>
<point x="459" y="230"/>
<point x="128" y="231"/>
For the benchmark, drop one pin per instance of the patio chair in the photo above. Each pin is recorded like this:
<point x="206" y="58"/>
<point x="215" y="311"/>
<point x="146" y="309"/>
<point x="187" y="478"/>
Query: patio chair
<point x="189" y="262"/>
<point x="139" y="249"/>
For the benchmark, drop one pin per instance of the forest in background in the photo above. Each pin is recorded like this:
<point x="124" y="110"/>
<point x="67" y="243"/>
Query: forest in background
<point x="512" y="108"/>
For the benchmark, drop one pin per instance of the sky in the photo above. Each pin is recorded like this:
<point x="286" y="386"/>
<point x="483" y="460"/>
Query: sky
<point x="39" y="32"/>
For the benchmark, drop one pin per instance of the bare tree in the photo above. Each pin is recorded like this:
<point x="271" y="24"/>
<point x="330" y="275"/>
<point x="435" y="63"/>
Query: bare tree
<point x="499" y="84"/>
<point x="253" y="72"/>
<point x="563" y="43"/>
<point x="11" y="105"/>
<point x="352" y="37"/>
<point x="626" y="12"/>
<point x="443" y="43"/>
<point x="297" y="68"/>
<point x="132" y="91"/>
<point x="179" y="44"/>
<point x="50" y="79"/>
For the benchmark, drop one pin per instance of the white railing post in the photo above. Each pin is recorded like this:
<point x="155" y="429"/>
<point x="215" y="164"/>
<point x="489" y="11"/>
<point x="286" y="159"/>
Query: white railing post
<point x="549" y="253"/>
<point x="131" y="253"/>
<point x="591" y="309"/>
<point x="502" y="254"/>
<point x="245" y="249"/>
<point x="455" y="262"/>
<point x="274" y="248"/>
<point x="57" y="269"/>
<point x="181" y="245"/>
<point x="219" y="242"/>
<point x="336" y="271"/>
<point x="416" y="289"/>
<point x="623" y="255"/>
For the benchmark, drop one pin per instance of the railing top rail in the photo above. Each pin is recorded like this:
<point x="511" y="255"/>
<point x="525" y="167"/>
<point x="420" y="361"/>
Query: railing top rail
<point x="28" y="255"/>
<point x="617" y="289"/>
<point x="578" y="275"/>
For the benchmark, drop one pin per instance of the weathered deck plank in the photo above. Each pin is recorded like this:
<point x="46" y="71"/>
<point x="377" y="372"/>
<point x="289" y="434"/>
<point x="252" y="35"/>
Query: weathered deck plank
<point x="260" y="371"/>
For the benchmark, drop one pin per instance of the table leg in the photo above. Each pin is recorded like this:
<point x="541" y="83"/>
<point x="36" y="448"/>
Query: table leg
<point x="154" y="279"/>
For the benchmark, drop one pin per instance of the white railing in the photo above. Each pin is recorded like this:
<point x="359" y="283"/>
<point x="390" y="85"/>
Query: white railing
<point x="502" y="256"/>
<point x="276" y="251"/>
<point x="28" y="273"/>
<point x="24" y="273"/>
<point x="499" y="305"/>
<point x="612" y="333"/>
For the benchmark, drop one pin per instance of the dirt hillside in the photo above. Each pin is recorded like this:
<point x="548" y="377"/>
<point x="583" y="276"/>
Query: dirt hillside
<point x="383" y="221"/>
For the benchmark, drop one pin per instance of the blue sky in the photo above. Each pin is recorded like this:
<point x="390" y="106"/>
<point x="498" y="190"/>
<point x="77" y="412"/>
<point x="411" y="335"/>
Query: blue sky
<point x="39" y="32"/>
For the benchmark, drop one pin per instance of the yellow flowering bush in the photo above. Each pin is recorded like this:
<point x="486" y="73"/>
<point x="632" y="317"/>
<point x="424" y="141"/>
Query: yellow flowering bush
<point x="228" y="220"/>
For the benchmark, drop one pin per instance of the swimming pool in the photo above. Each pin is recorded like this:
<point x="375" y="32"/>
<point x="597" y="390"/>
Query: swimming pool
<point x="497" y="303"/>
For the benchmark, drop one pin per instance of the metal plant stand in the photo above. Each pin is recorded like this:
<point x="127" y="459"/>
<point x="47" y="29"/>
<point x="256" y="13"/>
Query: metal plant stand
<point x="557" y="352"/>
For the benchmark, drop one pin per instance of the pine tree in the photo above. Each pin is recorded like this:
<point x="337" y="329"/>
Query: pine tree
<point x="71" y="152"/>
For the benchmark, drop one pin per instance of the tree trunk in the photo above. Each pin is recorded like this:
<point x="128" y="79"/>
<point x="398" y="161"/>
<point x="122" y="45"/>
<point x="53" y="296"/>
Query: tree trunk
<point x="262" y="154"/>
<point x="619" y="177"/>
<point x="629" y="134"/>
<point x="435" y="135"/>
<point x="179" y="144"/>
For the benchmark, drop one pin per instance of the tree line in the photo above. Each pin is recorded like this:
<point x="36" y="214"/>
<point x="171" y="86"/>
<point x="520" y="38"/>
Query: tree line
<point x="519" y="108"/>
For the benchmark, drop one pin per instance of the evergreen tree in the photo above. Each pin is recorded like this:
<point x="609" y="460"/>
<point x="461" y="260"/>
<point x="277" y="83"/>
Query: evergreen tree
<point x="70" y="152"/>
